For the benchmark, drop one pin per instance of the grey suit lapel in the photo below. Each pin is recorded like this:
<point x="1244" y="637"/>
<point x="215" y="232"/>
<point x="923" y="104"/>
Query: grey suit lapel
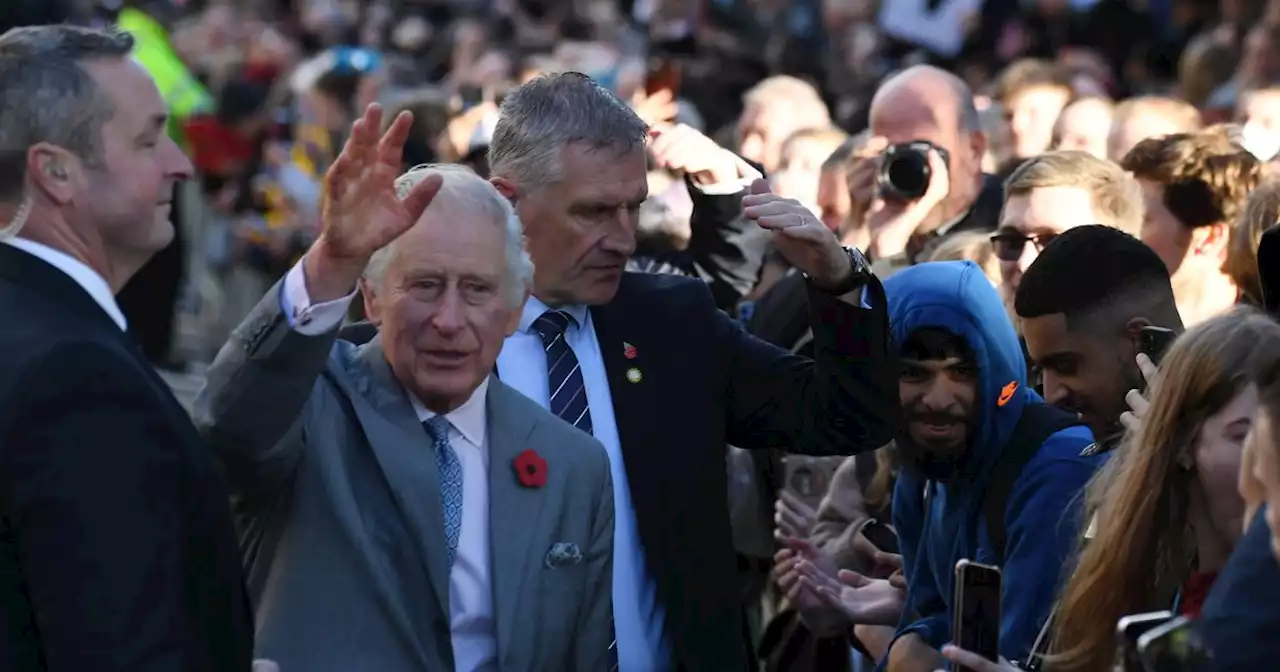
<point x="395" y="434"/>
<point x="514" y="513"/>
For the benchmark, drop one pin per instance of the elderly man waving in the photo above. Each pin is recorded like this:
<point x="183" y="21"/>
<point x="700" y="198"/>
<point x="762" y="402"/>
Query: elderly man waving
<point x="406" y="510"/>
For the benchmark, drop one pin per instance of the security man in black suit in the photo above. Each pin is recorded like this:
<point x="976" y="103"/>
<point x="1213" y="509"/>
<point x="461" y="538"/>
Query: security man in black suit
<point x="669" y="380"/>
<point x="117" y="551"/>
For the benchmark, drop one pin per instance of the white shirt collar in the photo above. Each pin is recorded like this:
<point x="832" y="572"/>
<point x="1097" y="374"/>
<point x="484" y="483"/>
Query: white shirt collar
<point x="93" y="284"/>
<point x="534" y="308"/>
<point x="468" y="419"/>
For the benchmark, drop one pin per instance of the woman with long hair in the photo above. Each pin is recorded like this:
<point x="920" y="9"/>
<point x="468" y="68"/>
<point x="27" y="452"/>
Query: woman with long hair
<point x="1166" y="509"/>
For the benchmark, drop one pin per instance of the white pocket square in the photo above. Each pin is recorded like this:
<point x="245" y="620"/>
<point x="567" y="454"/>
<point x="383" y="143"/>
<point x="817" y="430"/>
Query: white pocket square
<point x="562" y="554"/>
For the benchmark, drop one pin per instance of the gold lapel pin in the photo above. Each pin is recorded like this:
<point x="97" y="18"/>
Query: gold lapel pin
<point x="634" y="375"/>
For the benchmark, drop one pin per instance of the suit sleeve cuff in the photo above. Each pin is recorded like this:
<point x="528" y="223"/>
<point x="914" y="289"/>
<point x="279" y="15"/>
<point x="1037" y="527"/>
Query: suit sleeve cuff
<point x="303" y="317"/>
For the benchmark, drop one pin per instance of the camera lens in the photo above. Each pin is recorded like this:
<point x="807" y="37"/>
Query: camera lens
<point x="907" y="172"/>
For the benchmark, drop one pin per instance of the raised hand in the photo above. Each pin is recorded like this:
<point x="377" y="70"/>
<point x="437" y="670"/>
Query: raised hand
<point x="361" y="211"/>
<point x="799" y="235"/>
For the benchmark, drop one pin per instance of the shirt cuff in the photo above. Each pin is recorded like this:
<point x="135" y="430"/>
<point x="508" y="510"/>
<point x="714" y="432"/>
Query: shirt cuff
<point x="303" y="317"/>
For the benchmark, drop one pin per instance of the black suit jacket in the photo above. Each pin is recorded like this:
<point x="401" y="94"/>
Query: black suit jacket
<point x="117" y="551"/>
<point x="702" y="383"/>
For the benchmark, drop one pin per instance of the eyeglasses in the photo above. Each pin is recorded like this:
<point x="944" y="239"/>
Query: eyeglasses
<point x="1009" y="246"/>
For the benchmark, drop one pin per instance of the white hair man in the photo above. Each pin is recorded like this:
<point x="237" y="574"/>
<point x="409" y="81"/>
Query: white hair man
<point x="659" y="375"/>
<point x="117" y="551"/>
<point x="472" y="529"/>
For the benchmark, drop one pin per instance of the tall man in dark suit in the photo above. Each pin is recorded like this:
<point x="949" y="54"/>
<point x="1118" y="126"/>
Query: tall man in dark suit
<point x="647" y="365"/>
<point x="116" y="545"/>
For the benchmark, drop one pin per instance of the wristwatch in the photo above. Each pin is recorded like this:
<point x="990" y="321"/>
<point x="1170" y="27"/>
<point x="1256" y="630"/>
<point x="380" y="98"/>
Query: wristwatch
<point x="860" y="276"/>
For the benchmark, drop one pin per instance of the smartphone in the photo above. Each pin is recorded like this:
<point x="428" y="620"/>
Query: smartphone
<point x="664" y="75"/>
<point x="975" y="623"/>
<point x="809" y="478"/>
<point x="1155" y="341"/>
<point x="1173" y="647"/>
<point x="1129" y="629"/>
<point x="880" y="535"/>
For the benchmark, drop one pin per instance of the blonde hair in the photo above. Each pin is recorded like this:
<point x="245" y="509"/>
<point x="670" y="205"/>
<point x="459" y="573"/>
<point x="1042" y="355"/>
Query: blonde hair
<point x="828" y="140"/>
<point x="807" y="109"/>
<point x="1183" y="115"/>
<point x="1142" y="549"/>
<point x="1261" y="213"/>
<point x="1116" y="196"/>
<point x="972" y="246"/>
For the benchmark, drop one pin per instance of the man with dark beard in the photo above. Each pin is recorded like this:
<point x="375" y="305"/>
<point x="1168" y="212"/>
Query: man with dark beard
<point x="991" y="473"/>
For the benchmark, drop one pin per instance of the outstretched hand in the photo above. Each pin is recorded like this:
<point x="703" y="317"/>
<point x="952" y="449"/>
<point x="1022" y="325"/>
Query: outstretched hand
<point x="362" y="211"/>
<point x="862" y="600"/>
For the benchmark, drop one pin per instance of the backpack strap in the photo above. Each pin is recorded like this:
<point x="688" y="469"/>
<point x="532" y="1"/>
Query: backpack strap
<point x="1037" y="423"/>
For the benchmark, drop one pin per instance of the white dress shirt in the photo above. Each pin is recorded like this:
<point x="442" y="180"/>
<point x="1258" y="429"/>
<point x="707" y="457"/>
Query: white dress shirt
<point x="93" y="284"/>
<point x="522" y="364"/>
<point x="471" y="621"/>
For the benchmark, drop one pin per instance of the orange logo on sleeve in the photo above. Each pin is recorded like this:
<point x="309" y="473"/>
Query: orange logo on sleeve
<point x="1007" y="393"/>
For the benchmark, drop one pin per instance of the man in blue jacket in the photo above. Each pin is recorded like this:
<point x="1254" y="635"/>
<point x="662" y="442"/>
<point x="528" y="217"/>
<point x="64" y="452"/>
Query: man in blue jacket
<point x="982" y="452"/>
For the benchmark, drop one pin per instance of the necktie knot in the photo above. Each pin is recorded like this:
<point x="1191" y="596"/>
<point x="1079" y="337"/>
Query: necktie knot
<point x="551" y="324"/>
<point x="438" y="429"/>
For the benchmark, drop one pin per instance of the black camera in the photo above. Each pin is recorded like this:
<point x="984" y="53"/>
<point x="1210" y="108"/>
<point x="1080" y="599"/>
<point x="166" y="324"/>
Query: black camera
<point x="905" y="172"/>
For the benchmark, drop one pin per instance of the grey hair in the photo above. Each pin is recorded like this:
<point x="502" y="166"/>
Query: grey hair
<point x="550" y="112"/>
<point x="47" y="96"/>
<point x="468" y="190"/>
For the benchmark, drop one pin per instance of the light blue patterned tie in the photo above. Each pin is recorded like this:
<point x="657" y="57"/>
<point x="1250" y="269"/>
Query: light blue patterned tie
<point x="450" y="481"/>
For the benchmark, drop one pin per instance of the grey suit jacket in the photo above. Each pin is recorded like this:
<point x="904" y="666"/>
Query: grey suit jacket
<point x="335" y="488"/>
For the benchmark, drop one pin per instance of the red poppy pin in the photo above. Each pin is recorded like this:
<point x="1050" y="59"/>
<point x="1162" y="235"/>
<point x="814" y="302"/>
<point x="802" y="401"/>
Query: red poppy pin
<point x="531" y="469"/>
<point x="628" y="351"/>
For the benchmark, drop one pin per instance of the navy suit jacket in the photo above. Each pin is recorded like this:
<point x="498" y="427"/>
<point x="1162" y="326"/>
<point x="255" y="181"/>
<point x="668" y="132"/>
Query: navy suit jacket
<point x="117" y="550"/>
<point x="706" y="383"/>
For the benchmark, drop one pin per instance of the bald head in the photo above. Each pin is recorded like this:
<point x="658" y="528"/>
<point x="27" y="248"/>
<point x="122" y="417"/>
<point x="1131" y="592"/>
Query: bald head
<point x="933" y="105"/>
<point x="927" y="91"/>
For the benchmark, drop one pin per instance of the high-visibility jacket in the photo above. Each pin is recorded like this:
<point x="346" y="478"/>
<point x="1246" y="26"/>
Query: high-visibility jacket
<point x="183" y="94"/>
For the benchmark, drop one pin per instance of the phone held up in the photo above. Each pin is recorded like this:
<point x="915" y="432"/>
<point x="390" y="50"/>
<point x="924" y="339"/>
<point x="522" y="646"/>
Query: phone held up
<point x="1128" y="630"/>
<point x="1174" y="646"/>
<point x="880" y="535"/>
<point x="975" y="621"/>
<point x="1156" y="341"/>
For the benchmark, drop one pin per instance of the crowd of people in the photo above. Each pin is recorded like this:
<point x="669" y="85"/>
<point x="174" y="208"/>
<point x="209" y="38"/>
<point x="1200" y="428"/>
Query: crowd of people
<point x="640" y="336"/>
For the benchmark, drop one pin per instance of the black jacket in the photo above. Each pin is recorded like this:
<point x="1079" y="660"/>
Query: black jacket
<point x="117" y="552"/>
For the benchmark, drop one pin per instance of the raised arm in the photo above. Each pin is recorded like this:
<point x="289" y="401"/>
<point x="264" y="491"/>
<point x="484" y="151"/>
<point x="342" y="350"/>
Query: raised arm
<point x="251" y="408"/>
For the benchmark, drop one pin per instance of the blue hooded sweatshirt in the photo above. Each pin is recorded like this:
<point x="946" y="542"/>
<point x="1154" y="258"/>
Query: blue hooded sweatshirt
<point x="1043" y="514"/>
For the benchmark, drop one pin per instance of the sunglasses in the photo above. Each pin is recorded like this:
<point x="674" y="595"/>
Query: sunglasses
<point x="1009" y="246"/>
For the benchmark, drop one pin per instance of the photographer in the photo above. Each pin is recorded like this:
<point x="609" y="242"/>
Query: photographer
<point x="919" y="177"/>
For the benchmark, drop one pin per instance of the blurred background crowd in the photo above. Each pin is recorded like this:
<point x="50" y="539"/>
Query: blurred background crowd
<point x="262" y="93"/>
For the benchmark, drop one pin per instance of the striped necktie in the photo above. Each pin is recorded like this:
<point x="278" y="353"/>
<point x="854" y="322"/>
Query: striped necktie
<point x="564" y="376"/>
